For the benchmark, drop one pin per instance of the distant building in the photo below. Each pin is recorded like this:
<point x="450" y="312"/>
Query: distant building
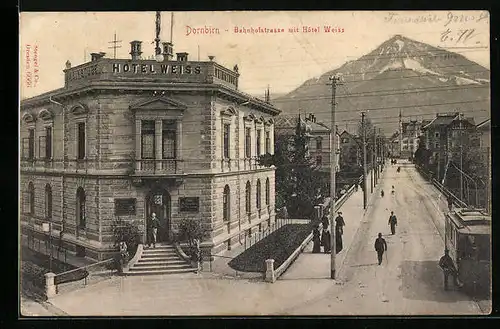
<point x="443" y="137"/>
<point x="484" y="143"/>
<point x="319" y="138"/>
<point x="350" y="150"/>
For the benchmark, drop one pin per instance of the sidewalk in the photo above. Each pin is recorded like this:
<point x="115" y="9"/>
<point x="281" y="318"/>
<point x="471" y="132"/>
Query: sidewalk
<point x="317" y="266"/>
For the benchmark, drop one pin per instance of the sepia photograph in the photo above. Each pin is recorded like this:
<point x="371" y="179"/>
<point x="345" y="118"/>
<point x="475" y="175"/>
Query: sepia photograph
<point x="254" y="163"/>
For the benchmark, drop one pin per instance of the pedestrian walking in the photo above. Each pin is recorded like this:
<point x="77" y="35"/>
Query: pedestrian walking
<point x="316" y="240"/>
<point x="393" y="221"/>
<point x="380" y="247"/>
<point x="338" y="240"/>
<point x="154" y="223"/>
<point x="446" y="264"/>
<point x="325" y="239"/>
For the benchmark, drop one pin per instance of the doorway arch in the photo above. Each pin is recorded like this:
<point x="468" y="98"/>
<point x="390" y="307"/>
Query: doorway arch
<point x="159" y="202"/>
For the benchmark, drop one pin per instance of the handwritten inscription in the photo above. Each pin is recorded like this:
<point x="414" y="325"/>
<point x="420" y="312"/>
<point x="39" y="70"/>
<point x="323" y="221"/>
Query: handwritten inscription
<point x="460" y="36"/>
<point x="446" y="18"/>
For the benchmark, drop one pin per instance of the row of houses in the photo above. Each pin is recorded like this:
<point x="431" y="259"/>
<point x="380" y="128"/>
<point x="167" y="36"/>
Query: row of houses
<point x="446" y="137"/>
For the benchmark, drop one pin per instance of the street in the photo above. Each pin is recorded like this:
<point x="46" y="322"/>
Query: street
<point x="409" y="281"/>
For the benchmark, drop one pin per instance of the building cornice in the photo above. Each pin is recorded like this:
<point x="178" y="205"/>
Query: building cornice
<point x="142" y="86"/>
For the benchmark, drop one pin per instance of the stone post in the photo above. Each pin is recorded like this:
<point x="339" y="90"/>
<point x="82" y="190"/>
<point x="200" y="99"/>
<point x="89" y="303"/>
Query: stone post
<point x="50" y="287"/>
<point x="270" y="276"/>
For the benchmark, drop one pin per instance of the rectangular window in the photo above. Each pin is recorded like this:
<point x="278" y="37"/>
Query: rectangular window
<point x="31" y="144"/>
<point x="147" y="139"/>
<point x="169" y="139"/>
<point x="48" y="143"/>
<point x="319" y="160"/>
<point x="81" y="141"/>
<point x="41" y="146"/>
<point x="437" y="134"/>
<point x="436" y="145"/>
<point x="268" y="142"/>
<point x="226" y="141"/>
<point x="248" y="143"/>
<point x="258" y="136"/>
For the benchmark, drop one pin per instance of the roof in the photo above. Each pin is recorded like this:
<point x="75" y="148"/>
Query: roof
<point x="441" y="120"/>
<point x="485" y="124"/>
<point x="290" y="121"/>
<point x="471" y="221"/>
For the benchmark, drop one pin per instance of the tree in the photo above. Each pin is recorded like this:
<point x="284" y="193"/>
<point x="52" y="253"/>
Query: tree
<point x="422" y="155"/>
<point x="298" y="181"/>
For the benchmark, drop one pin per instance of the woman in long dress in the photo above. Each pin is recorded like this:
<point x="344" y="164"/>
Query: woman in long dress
<point x="326" y="241"/>
<point x="316" y="241"/>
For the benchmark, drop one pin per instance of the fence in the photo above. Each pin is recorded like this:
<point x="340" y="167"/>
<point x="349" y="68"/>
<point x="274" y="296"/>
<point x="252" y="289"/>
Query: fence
<point x="84" y="276"/>
<point x="443" y="189"/>
<point x="253" y="238"/>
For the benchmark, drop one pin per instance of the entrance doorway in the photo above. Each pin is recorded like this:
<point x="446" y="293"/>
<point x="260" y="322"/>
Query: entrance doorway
<point x="158" y="202"/>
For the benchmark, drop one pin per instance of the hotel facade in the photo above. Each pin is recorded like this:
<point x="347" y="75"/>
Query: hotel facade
<point x="128" y="137"/>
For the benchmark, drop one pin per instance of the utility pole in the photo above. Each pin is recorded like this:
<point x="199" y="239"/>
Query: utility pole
<point x="461" y="158"/>
<point x="400" y="135"/>
<point x="333" y="168"/>
<point x="374" y="154"/>
<point x="364" y="158"/>
<point x="380" y="151"/>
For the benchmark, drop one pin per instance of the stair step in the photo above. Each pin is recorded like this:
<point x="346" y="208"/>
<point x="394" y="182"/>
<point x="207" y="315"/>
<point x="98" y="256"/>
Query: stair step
<point x="157" y="263"/>
<point x="157" y="272"/>
<point x="158" y="258"/>
<point x="159" y="253"/>
<point x="159" y="267"/>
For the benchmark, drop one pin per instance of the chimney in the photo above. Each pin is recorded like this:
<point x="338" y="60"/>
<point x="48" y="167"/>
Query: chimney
<point x="168" y="51"/>
<point x="135" y="49"/>
<point x="182" y="57"/>
<point x="96" y="56"/>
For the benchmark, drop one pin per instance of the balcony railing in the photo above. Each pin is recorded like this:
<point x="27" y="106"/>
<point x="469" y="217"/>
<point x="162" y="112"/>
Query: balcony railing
<point x="158" y="167"/>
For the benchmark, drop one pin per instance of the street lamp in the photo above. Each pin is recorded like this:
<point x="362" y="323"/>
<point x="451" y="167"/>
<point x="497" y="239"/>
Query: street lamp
<point x="47" y="228"/>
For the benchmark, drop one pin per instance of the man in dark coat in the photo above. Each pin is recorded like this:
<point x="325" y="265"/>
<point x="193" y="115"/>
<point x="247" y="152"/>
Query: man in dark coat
<point x="393" y="221"/>
<point x="380" y="247"/>
<point x="324" y="222"/>
<point x="153" y="225"/>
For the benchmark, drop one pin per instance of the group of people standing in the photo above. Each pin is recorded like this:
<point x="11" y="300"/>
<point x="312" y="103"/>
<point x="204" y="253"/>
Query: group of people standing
<point x="322" y="235"/>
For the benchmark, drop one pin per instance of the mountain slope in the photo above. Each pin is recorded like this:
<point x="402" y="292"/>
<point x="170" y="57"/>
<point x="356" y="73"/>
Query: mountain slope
<point x="400" y="74"/>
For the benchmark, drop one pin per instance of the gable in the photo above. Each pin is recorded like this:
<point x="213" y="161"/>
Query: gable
<point x="159" y="103"/>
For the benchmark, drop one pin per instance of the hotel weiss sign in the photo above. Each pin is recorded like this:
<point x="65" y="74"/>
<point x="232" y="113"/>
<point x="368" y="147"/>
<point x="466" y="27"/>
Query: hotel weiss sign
<point x="132" y="68"/>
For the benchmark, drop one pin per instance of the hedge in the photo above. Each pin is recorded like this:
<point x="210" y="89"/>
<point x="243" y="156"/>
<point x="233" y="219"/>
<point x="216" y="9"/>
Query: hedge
<point x="279" y="245"/>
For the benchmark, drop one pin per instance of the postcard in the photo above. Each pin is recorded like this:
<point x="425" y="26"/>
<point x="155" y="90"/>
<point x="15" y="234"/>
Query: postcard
<point x="238" y="163"/>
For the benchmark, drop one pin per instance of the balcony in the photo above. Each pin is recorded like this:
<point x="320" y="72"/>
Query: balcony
<point x="162" y="167"/>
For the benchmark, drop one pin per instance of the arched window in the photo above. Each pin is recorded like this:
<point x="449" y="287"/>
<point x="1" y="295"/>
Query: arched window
<point x="225" y="204"/>
<point x="80" y="208"/>
<point x="268" y="192"/>
<point x="48" y="202"/>
<point x="31" y="198"/>
<point x="247" y="197"/>
<point x="258" y="194"/>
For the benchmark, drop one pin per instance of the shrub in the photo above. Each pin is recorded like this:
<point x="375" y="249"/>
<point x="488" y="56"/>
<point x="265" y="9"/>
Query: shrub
<point x="126" y="231"/>
<point x="190" y="229"/>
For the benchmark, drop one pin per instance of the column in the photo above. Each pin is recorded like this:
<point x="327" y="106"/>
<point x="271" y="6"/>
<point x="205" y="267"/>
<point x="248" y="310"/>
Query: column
<point x="137" y="144"/>
<point x="158" y="144"/>
<point x="271" y="137"/>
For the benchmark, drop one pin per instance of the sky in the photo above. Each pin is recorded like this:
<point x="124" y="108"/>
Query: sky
<point x="281" y="60"/>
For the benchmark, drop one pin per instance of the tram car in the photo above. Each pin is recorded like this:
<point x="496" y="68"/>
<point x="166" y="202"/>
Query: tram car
<point x="468" y="240"/>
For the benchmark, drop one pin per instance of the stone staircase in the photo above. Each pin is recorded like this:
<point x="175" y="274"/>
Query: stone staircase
<point x="160" y="260"/>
